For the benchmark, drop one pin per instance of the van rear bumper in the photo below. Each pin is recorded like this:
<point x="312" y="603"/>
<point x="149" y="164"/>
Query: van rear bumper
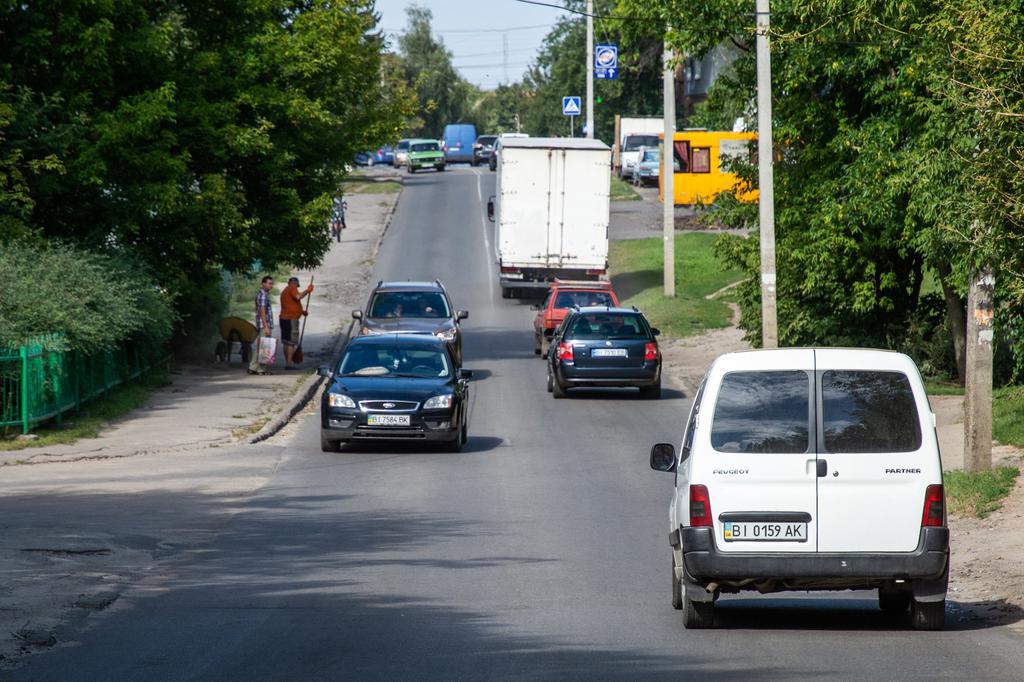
<point x="704" y="562"/>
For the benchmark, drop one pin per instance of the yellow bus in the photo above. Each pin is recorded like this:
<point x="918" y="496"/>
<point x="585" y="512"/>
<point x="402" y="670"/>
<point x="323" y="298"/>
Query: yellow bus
<point x="698" y="159"/>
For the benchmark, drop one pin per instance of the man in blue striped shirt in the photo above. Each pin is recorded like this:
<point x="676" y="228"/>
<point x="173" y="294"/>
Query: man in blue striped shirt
<point x="264" y="323"/>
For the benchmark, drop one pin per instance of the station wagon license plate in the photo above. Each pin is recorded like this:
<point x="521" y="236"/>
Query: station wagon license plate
<point x="764" y="531"/>
<point x="609" y="352"/>
<point x="387" y="420"/>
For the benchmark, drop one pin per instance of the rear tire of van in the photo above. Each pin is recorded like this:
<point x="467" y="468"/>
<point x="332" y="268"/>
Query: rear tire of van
<point x="698" y="615"/>
<point x="677" y="587"/>
<point x="894" y="603"/>
<point x="928" y="615"/>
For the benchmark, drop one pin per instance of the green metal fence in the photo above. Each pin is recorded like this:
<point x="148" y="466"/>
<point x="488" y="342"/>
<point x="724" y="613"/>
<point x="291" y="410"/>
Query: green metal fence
<point x="39" y="384"/>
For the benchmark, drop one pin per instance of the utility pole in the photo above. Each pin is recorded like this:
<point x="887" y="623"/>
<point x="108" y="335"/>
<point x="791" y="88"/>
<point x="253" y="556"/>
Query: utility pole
<point x="590" y="69"/>
<point x="668" y="191"/>
<point x="766" y="181"/>
<point x="978" y="384"/>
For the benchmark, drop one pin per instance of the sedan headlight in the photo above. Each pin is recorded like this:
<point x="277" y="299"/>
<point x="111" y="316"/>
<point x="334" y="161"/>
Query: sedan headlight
<point x="340" y="400"/>
<point x="438" y="402"/>
<point x="446" y="335"/>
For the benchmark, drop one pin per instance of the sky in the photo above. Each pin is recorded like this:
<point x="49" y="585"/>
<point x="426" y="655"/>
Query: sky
<point x="476" y="32"/>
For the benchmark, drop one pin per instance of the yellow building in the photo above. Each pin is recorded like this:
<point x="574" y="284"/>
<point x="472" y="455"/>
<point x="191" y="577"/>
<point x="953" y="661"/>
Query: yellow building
<point x="698" y="159"/>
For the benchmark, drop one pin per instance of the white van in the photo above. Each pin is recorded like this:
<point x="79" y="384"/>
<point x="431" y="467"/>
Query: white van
<point x="809" y="469"/>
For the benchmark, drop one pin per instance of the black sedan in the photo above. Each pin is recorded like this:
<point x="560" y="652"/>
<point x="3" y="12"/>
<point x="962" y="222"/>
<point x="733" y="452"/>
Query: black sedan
<point x="398" y="387"/>
<point x="604" y="346"/>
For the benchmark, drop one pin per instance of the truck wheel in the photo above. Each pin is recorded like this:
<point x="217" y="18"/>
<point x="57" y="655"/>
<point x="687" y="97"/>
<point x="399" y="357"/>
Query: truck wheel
<point x="928" y="615"/>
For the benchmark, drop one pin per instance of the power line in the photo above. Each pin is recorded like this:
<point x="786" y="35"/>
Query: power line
<point x="580" y="12"/>
<point x="476" y="30"/>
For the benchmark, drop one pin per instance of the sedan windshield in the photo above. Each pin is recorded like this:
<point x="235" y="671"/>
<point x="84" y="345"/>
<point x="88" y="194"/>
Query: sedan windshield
<point x="428" y="304"/>
<point x="424" y="147"/>
<point x="592" y="326"/>
<point x="395" y="361"/>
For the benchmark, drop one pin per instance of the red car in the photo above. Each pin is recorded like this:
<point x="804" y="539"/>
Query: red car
<point x="562" y="296"/>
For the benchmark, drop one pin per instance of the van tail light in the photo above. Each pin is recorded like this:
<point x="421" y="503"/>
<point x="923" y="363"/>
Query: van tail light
<point x="565" y="351"/>
<point x="650" y="351"/>
<point x="507" y="270"/>
<point x="700" y="506"/>
<point x="934" y="506"/>
<point x="594" y="272"/>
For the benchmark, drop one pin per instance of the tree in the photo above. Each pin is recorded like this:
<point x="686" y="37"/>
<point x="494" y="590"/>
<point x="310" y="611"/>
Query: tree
<point x="195" y="135"/>
<point x="444" y="95"/>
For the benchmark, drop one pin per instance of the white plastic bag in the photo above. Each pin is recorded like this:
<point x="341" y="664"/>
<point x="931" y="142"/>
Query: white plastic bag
<point x="268" y="350"/>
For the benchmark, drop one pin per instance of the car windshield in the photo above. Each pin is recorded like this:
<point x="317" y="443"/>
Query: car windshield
<point x="591" y="326"/>
<point x="428" y="304"/>
<point x="651" y="155"/>
<point x="395" y="361"/>
<point x="570" y="299"/>
<point x="424" y="147"/>
<point x="402" y="146"/>
<point x="634" y="142"/>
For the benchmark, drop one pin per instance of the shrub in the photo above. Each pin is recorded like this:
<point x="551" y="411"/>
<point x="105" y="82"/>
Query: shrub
<point x="95" y="300"/>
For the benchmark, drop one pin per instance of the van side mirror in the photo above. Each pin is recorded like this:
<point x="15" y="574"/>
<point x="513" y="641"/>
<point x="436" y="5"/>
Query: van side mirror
<point x="357" y="314"/>
<point x="663" y="457"/>
<point x="490" y="209"/>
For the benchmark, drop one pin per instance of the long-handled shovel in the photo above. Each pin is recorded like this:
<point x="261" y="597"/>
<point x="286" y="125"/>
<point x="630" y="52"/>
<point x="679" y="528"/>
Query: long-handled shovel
<point x="297" y="356"/>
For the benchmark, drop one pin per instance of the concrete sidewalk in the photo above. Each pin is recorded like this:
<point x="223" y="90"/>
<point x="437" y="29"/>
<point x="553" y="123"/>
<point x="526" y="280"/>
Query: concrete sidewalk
<point x="210" y="404"/>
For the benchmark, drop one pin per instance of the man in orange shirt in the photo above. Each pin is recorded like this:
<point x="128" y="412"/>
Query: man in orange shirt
<point x="291" y="311"/>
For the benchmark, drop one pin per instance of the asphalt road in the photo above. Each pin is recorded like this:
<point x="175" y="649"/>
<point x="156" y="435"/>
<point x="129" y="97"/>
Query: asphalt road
<point x="540" y="551"/>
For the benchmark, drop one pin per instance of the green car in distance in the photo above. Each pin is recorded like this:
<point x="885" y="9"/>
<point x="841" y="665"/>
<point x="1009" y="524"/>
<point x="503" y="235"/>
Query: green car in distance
<point x="425" y="154"/>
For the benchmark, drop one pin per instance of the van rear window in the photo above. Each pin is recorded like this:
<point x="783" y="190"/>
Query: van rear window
<point x="765" y="412"/>
<point x="869" y="411"/>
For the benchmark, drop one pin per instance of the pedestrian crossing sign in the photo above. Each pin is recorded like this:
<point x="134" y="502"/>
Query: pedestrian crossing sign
<point x="571" y="106"/>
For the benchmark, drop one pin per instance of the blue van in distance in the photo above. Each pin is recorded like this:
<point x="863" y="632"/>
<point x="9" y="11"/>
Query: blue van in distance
<point x="458" y="142"/>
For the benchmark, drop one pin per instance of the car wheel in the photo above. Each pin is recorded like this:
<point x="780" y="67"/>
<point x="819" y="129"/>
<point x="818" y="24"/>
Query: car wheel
<point x="411" y="170"/>
<point x="928" y="615"/>
<point x="551" y="383"/>
<point x="557" y="389"/>
<point x="652" y="392"/>
<point x="545" y="345"/>
<point x="677" y="587"/>
<point x="893" y="603"/>
<point x="327" y="445"/>
<point x="537" y="343"/>
<point x="455" y="445"/>
<point x="440" y="169"/>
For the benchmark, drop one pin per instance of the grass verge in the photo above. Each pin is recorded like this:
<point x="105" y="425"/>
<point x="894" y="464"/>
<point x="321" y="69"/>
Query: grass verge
<point x="622" y="191"/>
<point x="978" y="493"/>
<point x="93" y="417"/>
<point x="371" y="187"/>
<point x="1008" y="416"/>
<point x="636" y="266"/>
<point x="943" y="388"/>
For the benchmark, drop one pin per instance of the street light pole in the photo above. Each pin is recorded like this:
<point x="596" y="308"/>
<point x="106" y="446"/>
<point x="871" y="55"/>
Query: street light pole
<point x="590" y="69"/>
<point x="766" y="181"/>
<point x="668" y="191"/>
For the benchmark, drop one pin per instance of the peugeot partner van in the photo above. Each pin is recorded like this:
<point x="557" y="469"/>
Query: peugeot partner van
<point x="809" y="469"/>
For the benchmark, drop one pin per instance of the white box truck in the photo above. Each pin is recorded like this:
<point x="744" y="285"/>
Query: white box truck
<point x="634" y="133"/>
<point x="551" y="211"/>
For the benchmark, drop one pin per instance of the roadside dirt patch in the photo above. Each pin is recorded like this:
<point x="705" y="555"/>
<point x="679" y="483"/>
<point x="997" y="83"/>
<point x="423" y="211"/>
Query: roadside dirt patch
<point x="686" y="360"/>
<point x="986" y="580"/>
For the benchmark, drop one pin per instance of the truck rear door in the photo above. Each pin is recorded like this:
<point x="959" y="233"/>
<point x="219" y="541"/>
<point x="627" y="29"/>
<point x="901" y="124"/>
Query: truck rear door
<point x="579" y="215"/>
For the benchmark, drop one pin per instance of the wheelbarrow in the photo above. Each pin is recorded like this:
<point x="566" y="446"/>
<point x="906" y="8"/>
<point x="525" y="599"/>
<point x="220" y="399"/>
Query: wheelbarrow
<point x="235" y="330"/>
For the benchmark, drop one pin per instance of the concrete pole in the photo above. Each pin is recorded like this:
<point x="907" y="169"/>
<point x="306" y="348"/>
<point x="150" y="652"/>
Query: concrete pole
<point x="978" y="386"/>
<point x="590" y="69"/>
<point x="766" y="181"/>
<point x="668" y="190"/>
